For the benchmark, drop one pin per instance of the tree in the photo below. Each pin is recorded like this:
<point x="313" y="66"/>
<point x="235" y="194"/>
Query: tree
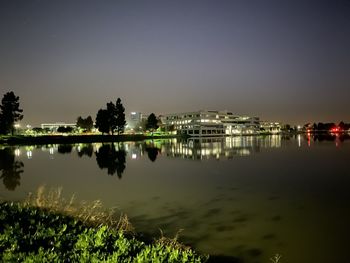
<point x="152" y="122"/>
<point x="85" y="124"/>
<point x="111" y="119"/>
<point x="102" y="119"/>
<point x="63" y="129"/>
<point x="10" y="113"/>
<point x="120" y="116"/>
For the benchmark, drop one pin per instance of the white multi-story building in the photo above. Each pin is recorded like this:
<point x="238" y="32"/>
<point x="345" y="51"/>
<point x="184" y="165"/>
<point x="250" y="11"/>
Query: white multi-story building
<point x="270" y="127"/>
<point x="211" y="123"/>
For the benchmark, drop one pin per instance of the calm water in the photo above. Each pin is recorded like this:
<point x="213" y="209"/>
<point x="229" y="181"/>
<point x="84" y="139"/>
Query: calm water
<point x="245" y="197"/>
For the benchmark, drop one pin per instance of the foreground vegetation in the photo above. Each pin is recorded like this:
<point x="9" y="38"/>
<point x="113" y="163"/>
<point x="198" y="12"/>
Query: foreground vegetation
<point x="33" y="234"/>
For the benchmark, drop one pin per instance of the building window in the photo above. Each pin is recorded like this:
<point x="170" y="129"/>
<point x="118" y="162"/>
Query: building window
<point x="196" y="131"/>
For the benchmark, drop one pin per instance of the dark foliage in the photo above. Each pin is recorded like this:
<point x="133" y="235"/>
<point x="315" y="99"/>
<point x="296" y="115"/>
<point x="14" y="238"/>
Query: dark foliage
<point x="63" y="129"/>
<point x="152" y="122"/>
<point x="120" y="116"/>
<point x="10" y="113"/>
<point x="102" y="121"/>
<point x="111" y="119"/>
<point x="86" y="124"/>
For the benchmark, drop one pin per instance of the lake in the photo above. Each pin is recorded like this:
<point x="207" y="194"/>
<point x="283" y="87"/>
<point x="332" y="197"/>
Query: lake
<point x="241" y="198"/>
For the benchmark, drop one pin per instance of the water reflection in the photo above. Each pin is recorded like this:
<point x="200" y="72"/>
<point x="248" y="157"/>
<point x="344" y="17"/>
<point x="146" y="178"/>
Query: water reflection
<point x="10" y="168"/>
<point x="265" y="200"/>
<point x="112" y="156"/>
<point x="112" y="159"/>
<point x="220" y="148"/>
<point x="86" y="149"/>
<point x="64" y="148"/>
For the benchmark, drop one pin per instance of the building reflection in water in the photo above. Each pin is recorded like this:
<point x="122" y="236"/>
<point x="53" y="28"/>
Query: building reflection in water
<point x="219" y="148"/>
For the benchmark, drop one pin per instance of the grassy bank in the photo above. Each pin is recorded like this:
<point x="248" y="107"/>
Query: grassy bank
<point x="33" y="234"/>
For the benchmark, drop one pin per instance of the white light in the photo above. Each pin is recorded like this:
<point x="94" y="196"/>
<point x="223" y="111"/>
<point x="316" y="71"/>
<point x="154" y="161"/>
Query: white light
<point x="29" y="154"/>
<point x="134" y="156"/>
<point x="17" y="152"/>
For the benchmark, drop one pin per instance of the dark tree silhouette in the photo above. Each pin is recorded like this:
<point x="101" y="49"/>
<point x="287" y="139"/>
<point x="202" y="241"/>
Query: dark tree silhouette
<point x="114" y="161"/>
<point x="152" y="153"/>
<point x="63" y="129"/>
<point x="112" y="117"/>
<point x="86" y="150"/>
<point x="85" y="124"/>
<point x="10" y="113"/>
<point x="120" y="116"/>
<point x="10" y="168"/>
<point x="102" y="119"/>
<point x="64" y="148"/>
<point x="152" y="122"/>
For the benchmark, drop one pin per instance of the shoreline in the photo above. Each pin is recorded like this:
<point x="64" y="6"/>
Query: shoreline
<point x="69" y="139"/>
<point x="93" y="138"/>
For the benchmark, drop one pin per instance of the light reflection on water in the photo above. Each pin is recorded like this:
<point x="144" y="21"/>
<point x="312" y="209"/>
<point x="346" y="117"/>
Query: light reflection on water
<point x="245" y="197"/>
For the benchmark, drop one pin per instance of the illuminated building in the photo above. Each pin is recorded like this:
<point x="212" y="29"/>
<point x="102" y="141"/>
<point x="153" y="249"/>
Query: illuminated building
<point x="270" y="127"/>
<point x="134" y="120"/>
<point x="211" y="123"/>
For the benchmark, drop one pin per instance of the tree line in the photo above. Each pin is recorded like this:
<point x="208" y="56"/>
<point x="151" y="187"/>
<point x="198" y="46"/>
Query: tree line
<point x="109" y="120"/>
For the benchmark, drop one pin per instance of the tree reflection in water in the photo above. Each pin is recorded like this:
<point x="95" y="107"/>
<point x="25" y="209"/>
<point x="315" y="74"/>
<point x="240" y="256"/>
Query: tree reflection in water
<point x="108" y="157"/>
<point x="64" y="148"/>
<point x="10" y="169"/>
<point x="152" y="153"/>
<point x="87" y="150"/>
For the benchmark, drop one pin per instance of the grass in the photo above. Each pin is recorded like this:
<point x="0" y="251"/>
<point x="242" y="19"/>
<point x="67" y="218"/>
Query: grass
<point x="276" y="258"/>
<point x="90" y="213"/>
<point x="48" y="228"/>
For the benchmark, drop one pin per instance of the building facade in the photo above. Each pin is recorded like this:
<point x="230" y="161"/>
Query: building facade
<point x="134" y="120"/>
<point x="211" y="123"/>
<point x="270" y="127"/>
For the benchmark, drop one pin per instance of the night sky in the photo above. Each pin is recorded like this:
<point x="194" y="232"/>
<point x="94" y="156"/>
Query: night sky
<point x="286" y="61"/>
